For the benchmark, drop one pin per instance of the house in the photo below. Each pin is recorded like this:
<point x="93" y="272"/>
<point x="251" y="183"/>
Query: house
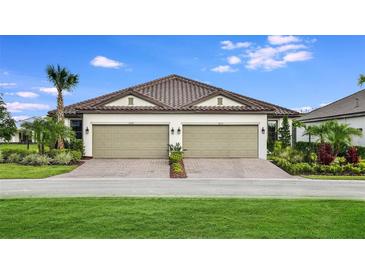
<point x="349" y="110"/>
<point x="19" y="136"/>
<point x="140" y="121"/>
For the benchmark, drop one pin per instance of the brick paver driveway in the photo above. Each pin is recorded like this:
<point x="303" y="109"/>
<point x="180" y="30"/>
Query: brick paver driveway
<point x="120" y="168"/>
<point x="232" y="168"/>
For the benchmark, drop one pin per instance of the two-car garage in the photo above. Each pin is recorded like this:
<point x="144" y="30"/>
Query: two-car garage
<point x="151" y="141"/>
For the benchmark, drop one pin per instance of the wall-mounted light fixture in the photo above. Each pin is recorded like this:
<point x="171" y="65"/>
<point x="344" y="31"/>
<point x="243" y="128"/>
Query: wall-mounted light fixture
<point x="263" y="130"/>
<point x="172" y="131"/>
<point x="178" y="130"/>
<point x="87" y="130"/>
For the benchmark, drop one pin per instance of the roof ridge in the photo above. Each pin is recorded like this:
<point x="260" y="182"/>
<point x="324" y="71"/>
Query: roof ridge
<point x="334" y="102"/>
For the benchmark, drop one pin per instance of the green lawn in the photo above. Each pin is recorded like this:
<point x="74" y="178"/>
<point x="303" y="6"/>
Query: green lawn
<point x="15" y="171"/>
<point x="180" y="218"/>
<point x="32" y="147"/>
<point x="332" y="177"/>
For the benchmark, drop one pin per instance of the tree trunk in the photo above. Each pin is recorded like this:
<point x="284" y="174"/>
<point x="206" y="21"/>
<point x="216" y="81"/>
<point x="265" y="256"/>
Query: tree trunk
<point x="60" y="117"/>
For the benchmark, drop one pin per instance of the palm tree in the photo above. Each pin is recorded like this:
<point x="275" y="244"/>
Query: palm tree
<point x="62" y="79"/>
<point x="361" y="80"/>
<point x="319" y="131"/>
<point x="340" y="135"/>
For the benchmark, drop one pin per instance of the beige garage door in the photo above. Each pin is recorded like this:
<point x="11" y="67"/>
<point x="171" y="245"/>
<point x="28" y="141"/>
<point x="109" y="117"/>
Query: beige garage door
<point x="220" y="141"/>
<point x="130" y="141"/>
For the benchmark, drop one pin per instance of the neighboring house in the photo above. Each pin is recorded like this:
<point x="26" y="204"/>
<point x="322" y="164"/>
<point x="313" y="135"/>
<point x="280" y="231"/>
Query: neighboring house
<point x="140" y="121"/>
<point x="19" y="137"/>
<point x="349" y="110"/>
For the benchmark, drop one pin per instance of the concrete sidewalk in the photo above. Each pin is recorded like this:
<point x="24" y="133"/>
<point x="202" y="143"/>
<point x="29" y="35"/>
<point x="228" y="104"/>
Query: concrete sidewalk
<point x="290" y="188"/>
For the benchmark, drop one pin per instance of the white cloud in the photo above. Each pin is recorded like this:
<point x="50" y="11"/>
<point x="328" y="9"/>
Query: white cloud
<point x="5" y="73"/>
<point x="233" y="60"/>
<point x="104" y="62"/>
<point x="298" y="56"/>
<point x="269" y="58"/>
<point x="19" y="107"/>
<point x="20" y="117"/>
<point x="48" y="90"/>
<point x="304" y="109"/>
<point x="282" y="39"/>
<point x="7" y="85"/>
<point x="27" y="94"/>
<point x="228" y="45"/>
<point x="223" y="69"/>
<point x="323" y="104"/>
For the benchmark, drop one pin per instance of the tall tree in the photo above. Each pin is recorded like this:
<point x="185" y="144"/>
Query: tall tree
<point x="7" y="124"/>
<point x="63" y="80"/>
<point x="361" y="80"/>
<point x="284" y="132"/>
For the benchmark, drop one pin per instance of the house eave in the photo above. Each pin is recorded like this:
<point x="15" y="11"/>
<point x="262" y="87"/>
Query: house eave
<point x="326" y="118"/>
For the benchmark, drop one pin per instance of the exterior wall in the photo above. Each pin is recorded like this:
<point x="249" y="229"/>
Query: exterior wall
<point x="213" y="102"/>
<point x="124" y="102"/>
<point x="355" y="122"/>
<point x="14" y="138"/>
<point x="176" y="121"/>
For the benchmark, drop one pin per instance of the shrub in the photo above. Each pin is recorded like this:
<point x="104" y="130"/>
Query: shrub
<point x="361" y="151"/>
<point x="76" y="144"/>
<point x="14" y="158"/>
<point x="340" y="161"/>
<point x="1" y="157"/>
<point x="175" y="157"/>
<point x="177" y="147"/>
<point x="288" y="153"/>
<point x="62" y="158"/>
<point x="306" y="146"/>
<point x="177" y="168"/>
<point x="6" y="152"/>
<point x="325" y="154"/>
<point x="36" y="160"/>
<point x="75" y="154"/>
<point x="352" y="156"/>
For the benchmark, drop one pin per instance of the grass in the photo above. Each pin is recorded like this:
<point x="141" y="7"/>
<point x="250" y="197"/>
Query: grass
<point x="32" y="147"/>
<point x="15" y="171"/>
<point x="180" y="218"/>
<point x="333" y="177"/>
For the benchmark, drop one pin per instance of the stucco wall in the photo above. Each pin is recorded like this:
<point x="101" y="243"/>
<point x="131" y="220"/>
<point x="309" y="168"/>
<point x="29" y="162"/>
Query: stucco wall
<point x="214" y="102"/>
<point x="124" y="102"/>
<point x="175" y="121"/>
<point x="355" y="122"/>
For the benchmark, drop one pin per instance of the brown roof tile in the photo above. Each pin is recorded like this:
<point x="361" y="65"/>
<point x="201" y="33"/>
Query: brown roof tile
<point x="176" y="93"/>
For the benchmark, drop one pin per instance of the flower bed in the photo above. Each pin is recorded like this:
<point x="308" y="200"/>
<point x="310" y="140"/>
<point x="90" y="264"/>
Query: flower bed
<point x="53" y="157"/>
<point x="177" y="168"/>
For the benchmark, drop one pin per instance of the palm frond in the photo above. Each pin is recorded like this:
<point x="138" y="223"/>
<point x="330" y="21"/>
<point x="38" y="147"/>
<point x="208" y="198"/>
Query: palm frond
<point x="361" y="80"/>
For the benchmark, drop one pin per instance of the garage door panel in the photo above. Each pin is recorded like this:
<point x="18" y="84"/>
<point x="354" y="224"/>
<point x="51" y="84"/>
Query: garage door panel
<point x="130" y="141"/>
<point x="220" y="141"/>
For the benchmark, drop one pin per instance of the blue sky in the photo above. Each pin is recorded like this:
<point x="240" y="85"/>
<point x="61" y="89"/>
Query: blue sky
<point x="291" y="71"/>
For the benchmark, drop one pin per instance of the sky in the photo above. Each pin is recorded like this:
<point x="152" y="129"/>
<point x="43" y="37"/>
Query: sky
<point x="298" y="72"/>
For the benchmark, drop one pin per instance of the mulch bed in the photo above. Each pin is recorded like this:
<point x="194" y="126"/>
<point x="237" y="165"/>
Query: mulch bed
<point x="178" y="175"/>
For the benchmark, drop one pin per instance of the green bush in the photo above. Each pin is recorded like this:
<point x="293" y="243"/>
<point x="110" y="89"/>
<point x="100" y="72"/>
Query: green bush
<point x="75" y="154"/>
<point x="14" y="158"/>
<point x="177" y="168"/>
<point x="175" y="148"/>
<point x="1" y="158"/>
<point x="306" y="146"/>
<point x="6" y="152"/>
<point x="175" y="157"/>
<point x="76" y="144"/>
<point x="361" y="151"/>
<point x="287" y="153"/>
<point x="36" y="160"/>
<point x="62" y="158"/>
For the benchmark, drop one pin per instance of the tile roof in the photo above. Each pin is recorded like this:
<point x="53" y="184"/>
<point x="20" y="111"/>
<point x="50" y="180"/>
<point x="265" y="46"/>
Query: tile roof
<point x="352" y="105"/>
<point x="176" y="93"/>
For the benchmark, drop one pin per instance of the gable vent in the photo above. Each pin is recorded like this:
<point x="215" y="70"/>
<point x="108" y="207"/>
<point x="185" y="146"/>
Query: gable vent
<point x="357" y="104"/>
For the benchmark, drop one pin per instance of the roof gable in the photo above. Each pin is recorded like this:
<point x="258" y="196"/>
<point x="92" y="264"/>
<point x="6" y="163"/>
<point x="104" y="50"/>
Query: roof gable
<point x="347" y="106"/>
<point x="213" y="101"/>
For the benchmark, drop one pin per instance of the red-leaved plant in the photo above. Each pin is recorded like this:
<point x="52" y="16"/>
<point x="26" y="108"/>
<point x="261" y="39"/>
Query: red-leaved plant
<point x="325" y="154"/>
<point x="352" y="156"/>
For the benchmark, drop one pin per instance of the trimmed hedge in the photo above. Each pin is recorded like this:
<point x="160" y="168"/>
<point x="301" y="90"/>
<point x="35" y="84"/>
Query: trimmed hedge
<point x="6" y="152"/>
